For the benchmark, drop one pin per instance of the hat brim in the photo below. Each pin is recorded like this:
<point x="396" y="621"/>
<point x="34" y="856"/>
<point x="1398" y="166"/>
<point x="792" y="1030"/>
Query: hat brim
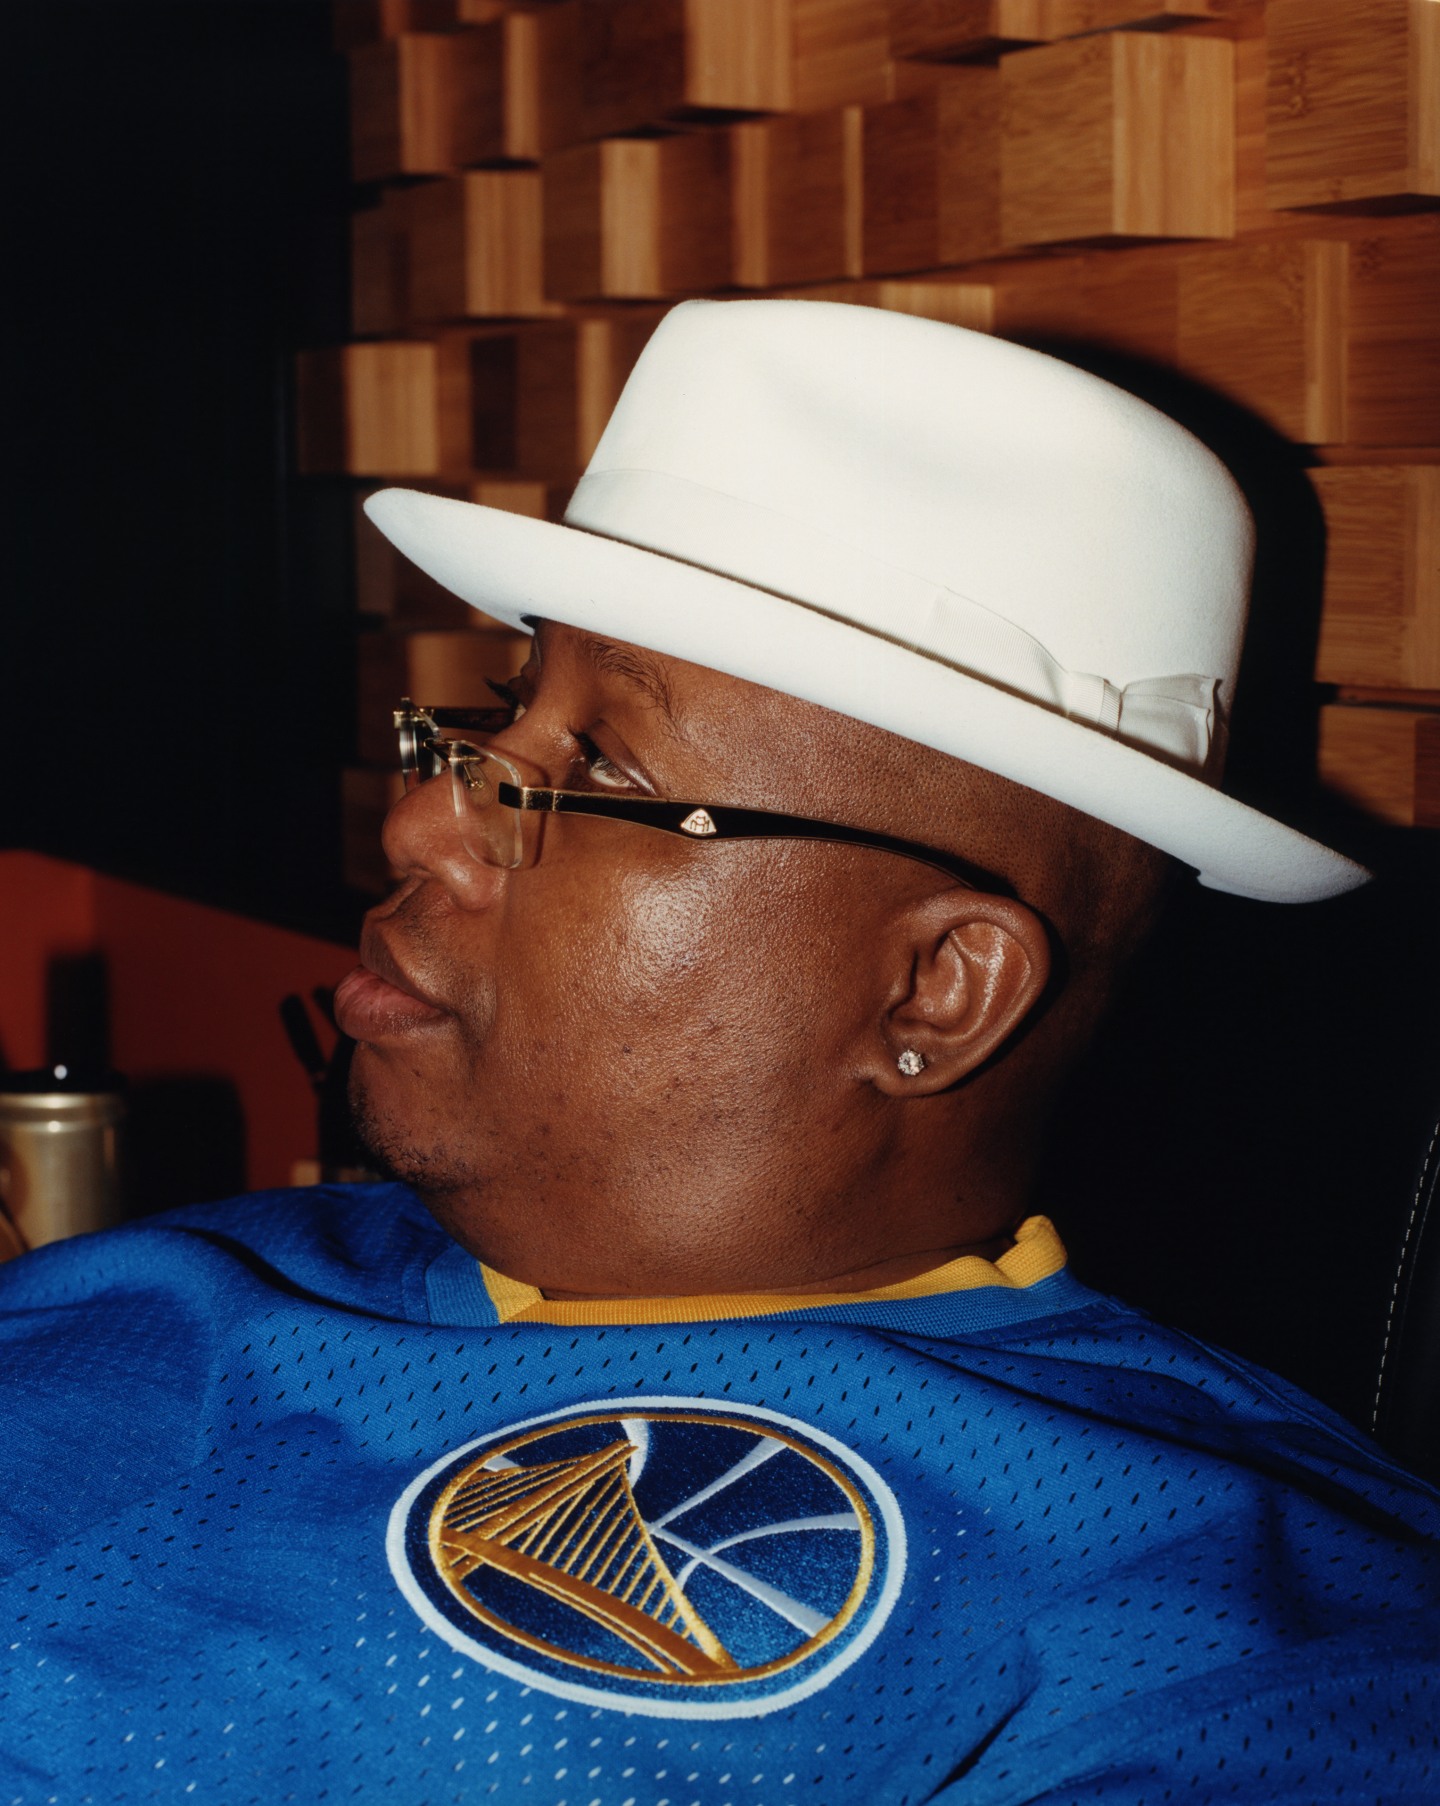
<point x="517" y="569"/>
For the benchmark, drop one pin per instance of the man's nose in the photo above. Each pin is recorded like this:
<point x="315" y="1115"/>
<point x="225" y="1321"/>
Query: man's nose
<point x="421" y="838"/>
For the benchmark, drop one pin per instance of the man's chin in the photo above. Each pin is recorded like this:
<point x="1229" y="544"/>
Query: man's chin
<point x="396" y="1147"/>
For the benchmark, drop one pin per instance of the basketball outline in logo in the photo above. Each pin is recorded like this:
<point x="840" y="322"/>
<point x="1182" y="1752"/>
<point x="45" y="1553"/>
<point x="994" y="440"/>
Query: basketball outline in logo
<point x="570" y="1532"/>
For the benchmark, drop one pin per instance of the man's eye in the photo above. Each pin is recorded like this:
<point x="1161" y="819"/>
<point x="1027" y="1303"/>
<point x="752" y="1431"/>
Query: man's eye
<point x="598" y="768"/>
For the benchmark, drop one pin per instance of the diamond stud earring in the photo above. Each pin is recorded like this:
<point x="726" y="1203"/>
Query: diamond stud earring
<point x="911" y="1062"/>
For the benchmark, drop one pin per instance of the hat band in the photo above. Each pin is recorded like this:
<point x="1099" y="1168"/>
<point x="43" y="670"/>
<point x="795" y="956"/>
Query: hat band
<point x="1173" y="718"/>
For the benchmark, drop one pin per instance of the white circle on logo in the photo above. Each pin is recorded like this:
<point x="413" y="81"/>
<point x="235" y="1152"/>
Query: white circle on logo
<point x="675" y="1557"/>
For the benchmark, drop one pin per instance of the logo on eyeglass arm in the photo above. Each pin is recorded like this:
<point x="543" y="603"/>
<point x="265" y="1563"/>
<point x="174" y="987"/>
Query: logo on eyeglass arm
<point x="658" y="1557"/>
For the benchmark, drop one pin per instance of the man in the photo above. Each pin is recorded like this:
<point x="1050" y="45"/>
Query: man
<point x="705" y="1416"/>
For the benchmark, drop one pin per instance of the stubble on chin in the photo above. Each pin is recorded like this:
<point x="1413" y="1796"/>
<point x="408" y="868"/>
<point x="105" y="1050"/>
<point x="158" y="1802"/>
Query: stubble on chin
<point x="416" y="1153"/>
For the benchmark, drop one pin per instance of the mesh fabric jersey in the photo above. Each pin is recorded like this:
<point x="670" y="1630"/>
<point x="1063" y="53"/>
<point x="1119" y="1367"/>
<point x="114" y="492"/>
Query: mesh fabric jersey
<point x="301" y="1504"/>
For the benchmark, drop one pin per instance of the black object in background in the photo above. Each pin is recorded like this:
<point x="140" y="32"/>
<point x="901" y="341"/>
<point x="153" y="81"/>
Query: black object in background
<point x="178" y="676"/>
<point x="337" y="1149"/>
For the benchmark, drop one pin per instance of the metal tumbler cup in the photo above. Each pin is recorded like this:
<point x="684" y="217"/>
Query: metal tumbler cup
<point x="59" y="1154"/>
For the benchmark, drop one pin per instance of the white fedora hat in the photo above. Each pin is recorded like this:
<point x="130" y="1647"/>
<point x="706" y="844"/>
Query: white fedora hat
<point x="964" y="542"/>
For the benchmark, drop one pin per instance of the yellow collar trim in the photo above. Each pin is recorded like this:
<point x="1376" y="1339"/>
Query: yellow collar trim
<point x="1038" y="1253"/>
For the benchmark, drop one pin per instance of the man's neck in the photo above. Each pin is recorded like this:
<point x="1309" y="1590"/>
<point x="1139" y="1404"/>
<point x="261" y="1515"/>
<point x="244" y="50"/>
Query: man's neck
<point x="893" y="1271"/>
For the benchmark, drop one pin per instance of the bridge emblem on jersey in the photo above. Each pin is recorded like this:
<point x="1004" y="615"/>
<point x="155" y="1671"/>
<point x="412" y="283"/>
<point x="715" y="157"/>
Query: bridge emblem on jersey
<point x="664" y="1556"/>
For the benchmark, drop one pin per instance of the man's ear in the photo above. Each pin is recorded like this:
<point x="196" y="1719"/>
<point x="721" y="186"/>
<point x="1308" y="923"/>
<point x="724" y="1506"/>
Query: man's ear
<point x="977" y="967"/>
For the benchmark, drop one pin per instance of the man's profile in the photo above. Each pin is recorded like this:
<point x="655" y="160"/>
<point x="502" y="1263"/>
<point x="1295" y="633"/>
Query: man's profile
<point x="706" y="1411"/>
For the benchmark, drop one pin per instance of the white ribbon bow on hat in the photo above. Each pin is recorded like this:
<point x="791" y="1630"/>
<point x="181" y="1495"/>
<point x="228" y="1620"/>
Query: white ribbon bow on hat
<point x="1172" y="717"/>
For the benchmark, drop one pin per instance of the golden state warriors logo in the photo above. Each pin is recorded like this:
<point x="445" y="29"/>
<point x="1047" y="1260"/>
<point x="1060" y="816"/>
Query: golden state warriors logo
<point x="665" y="1556"/>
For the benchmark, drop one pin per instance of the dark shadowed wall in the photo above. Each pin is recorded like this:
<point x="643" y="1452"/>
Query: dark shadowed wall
<point x="178" y="673"/>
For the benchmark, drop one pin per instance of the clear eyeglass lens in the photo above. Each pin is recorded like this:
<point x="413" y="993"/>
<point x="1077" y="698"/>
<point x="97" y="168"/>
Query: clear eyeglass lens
<point x="489" y="831"/>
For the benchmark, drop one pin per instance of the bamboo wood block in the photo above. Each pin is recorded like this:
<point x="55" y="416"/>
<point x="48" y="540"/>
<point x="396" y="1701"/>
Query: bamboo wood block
<point x="436" y="667"/>
<point x="542" y="396"/>
<point x="957" y="303"/>
<point x="356" y="22"/>
<point x="932" y="181"/>
<point x="378" y="275"/>
<point x="1392" y="347"/>
<point x="516" y="86"/>
<point x="1376" y="454"/>
<point x="369" y="409"/>
<point x="401" y="107"/>
<point x="1253" y="212"/>
<point x="520" y="495"/>
<point x="601" y="205"/>
<point x="367" y="796"/>
<point x="1353" y="111"/>
<point x="1265" y="324"/>
<point x="1380" y="626"/>
<point x="955" y="28"/>
<point x="475" y="246"/>
<point x="494" y="400"/>
<point x="841" y="54"/>
<point x="796" y="202"/>
<point x="694" y="216"/>
<point x="454" y="399"/>
<point x="1331" y="340"/>
<point x="1384" y="761"/>
<point x="642" y="62"/>
<point x="1128" y="303"/>
<point x="1126" y="134"/>
<point x="632" y="218"/>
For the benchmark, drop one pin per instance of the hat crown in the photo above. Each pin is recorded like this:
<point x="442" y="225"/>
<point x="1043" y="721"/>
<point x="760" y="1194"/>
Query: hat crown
<point x="799" y="445"/>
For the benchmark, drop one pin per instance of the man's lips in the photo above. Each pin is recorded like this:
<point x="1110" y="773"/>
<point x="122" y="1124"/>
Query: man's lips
<point x="376" y="1000"/>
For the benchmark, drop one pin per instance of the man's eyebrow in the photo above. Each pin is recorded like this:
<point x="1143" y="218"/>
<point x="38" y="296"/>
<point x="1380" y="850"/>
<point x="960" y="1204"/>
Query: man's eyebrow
<point x="635" y="667"/>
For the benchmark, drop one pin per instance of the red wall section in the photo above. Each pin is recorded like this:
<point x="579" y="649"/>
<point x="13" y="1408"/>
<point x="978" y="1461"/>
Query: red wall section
<point x="193" y="992"/>
<point x="47" y="911"/>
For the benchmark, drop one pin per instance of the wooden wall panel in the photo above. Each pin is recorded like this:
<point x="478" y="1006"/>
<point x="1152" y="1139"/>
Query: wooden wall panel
<point x="1124" y="134"/>
<point x="966" y="28"/>
<point x="492" y="122"/>
<point x="954" y="28"/>
<point x="796" y="198"/>
<point x="947" y="298"/>
<point x="840" y="54"/>
<point x="378" y="271"/>
<point x="541" y="397"/>
<point x="1381" y="623"/>
<point x="1264" y="323"/>
<point x="1386" y="761"/>
<point x="1393" y="337"/>
<point x="1353" y="101"/>
<point x="402" y="107"/>
<point x="1127" y="304"/>
<point x="369" y="409"/>
<point x="932" y="175"/>
<point x="1332" y="340"/>
<point x="642" y="62"/>
<point x="638" y="218"/>
<point x="473" y="246"/>
<point x="550" y="171"/>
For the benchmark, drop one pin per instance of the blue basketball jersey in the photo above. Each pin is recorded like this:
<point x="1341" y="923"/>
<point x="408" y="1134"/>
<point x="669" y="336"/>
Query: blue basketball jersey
<point x="301" y="1503"/>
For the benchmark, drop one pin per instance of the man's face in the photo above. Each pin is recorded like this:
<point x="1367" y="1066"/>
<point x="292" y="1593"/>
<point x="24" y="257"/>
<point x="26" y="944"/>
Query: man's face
<point x="594" y="1051"/>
